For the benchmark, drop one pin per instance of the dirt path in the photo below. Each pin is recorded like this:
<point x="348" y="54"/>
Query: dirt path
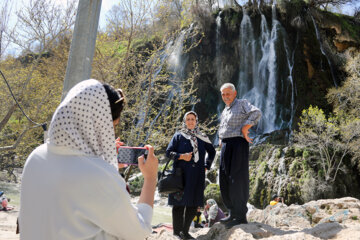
<point x="8" y="225"/>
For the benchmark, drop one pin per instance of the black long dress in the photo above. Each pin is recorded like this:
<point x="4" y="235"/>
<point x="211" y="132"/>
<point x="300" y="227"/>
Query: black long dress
<point x="194" y="173"/>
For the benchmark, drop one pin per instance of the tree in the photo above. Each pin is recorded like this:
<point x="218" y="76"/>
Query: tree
<point x="324" y="136"/>
<point x="128" y="19"/>
<point x="5" y="10"/>
<point x="36" y="77"/>
<point x="325" y="4"/>
<point x="158" y="94"/>
<point x="357" y="14"/>
<point x="346" y="102"/>
<point x="39" y="29"/>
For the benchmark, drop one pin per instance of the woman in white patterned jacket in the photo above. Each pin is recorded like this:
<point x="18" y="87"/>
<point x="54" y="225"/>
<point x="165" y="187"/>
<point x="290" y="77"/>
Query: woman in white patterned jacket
<point x="71" y="188"/>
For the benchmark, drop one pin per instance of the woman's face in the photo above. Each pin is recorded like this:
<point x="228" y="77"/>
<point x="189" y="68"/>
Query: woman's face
<point x="190" y="121"/>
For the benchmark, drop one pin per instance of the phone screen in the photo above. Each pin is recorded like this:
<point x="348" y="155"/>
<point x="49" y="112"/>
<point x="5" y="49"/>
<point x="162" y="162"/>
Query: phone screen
<point x="129" y="155"/>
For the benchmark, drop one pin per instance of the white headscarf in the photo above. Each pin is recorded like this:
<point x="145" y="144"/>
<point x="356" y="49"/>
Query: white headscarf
<point x="193" y="134"/>
<point x="83" y="122"/>
<point x="213" y="209"/>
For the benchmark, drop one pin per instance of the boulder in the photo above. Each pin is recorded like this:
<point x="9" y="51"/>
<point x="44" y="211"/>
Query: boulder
<point x="321" y="219"/>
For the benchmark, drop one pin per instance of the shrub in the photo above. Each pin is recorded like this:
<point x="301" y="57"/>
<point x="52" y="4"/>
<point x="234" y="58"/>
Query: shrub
<point x="298" y="152"/>
<point x="213" y="191"/>
<point x="212" y="175"/>
<point x="136" y="185"/>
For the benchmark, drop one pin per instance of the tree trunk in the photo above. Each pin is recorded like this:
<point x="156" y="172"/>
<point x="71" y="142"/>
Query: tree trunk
<point x="7" y="116"/>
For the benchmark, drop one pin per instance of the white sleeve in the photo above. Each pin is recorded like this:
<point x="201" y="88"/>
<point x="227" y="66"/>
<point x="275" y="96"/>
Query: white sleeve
<point x="117" y="216"/>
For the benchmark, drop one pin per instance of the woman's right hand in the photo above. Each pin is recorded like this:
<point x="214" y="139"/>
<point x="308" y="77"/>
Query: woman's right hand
<point x="149" y="171"/>
<point x="186" y="156"/>
<point x="149" y="168"/>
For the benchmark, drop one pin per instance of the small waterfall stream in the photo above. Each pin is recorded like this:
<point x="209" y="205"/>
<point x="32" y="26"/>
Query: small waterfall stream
<point x="318" y="36"/>
<point x="171" y="57"/>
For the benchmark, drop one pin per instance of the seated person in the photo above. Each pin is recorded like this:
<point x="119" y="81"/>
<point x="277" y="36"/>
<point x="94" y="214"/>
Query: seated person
<point x="276" y="199"/>
<point x="197" y="219"/>
<point x="212" y="212"/>
<point x="4" y="201"/>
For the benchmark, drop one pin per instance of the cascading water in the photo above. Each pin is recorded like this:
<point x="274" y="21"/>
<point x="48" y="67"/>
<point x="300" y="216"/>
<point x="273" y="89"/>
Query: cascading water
<point x="218" y="67"/>
<point x="217" y="44"/>
<point x="323" y="51"/>
<point x="290" y="62"/>
<point x="173" y="56"/>
<point x="260" y="80"/>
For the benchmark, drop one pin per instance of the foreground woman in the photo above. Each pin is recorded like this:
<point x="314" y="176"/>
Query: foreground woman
<point x="71" y="188"/>
<point x="187" y="148"/>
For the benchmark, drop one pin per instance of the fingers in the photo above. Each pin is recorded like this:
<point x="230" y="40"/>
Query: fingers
<point x="141" y="161"/>
<point x="150" y="166"/>
<point x="150" y="149"/>
<point x="118" y="143"/>
<point x="122" y="165"/>
<point x="249" y="140"/>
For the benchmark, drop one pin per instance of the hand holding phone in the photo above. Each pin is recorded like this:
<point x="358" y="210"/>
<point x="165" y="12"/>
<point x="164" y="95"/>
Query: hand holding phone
<point x="129" y="155"/>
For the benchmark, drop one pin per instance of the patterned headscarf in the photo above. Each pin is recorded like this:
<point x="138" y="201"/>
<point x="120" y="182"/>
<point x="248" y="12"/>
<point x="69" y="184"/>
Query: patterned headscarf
<point x="213" y="209"/>
<point x="83" y="122"/>
<point x="193" y="134"/>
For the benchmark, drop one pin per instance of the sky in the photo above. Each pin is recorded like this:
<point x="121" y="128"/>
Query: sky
<point x="105" y="7"/>
<point x="107" y="4"/>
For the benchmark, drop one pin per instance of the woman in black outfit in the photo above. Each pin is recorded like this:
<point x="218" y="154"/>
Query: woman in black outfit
<point x="187" y="148"/>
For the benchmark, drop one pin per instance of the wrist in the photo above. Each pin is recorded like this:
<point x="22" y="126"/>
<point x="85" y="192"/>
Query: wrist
<point x="152" y="180"/>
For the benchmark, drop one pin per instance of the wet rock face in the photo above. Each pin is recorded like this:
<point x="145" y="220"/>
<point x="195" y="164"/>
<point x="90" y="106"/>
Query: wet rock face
<point x="322" y="219"/>
<point x="314" y="58"/>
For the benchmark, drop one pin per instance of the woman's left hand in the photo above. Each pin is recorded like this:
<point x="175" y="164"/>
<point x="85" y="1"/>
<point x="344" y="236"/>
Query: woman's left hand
<point x="118" y="143"/>
<point x="185" y="156"/>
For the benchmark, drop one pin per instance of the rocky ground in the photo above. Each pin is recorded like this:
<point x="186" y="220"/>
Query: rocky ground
<point x="321" y="219"/>
<point x="8" y="225"/>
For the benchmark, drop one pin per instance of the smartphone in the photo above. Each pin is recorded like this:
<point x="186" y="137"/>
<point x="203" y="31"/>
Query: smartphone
<point x="129" y="155"/>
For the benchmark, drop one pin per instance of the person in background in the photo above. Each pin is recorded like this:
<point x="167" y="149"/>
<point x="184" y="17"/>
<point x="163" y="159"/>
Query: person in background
<point x="276" y="199"/>
<point x="197" y="219"/>
<point x="212" y="212"/>
<point x="187" y="148"/>
<point x="79" y="161"/>
<point x="237" y="118"/>
<point x="4" y="201"/>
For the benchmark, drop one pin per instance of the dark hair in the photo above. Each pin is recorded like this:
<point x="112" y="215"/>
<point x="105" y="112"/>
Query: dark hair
<point x="274" y="196"/>
<point x="117" y="100"/>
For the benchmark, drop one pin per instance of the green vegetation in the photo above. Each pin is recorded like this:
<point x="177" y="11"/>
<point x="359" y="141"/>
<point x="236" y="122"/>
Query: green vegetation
<point x="126" y="56"/>
<point x="213" y="191"/>
<point x="347" y="23"/>
<point x="136" y="185"/>
<point x="330" y="140"/>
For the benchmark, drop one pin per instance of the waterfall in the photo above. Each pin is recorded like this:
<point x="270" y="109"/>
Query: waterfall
<point x="172" y="55"/>
<point x="270" y="112"/>
<point x="247" y="56"/>
<point x="281" y="173"/>
<point x="217" y="44"/>
<point x="262" y="81"/>
<point x="323" y="51"/>
<point x="290" y="63"/>
<point x="162" y="56"/>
